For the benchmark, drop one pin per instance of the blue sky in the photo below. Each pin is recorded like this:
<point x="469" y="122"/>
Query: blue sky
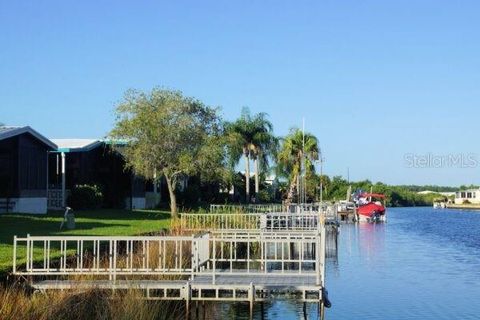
<point x="375" y="80"/>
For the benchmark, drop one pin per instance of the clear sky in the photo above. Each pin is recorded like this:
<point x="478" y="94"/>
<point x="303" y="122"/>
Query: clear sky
<point x="378" y="82"/>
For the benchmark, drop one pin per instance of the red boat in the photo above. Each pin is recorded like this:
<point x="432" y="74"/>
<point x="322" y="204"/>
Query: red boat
<point x="370" y="208"/>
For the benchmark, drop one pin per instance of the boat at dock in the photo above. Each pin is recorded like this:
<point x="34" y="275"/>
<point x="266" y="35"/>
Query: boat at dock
<point x="439" y="205"/>
<point x="370" y="207"/>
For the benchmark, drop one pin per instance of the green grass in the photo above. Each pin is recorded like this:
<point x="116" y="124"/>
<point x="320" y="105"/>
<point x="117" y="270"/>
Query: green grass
<point x="89" y="222"/>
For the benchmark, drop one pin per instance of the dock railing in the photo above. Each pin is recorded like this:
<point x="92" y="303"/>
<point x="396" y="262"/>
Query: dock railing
<point x="112" y="255"/>
<point x="233" y="253"/>
<point x="330" y="212"/>
<point x="274" y="221"/>
<point x="247" y="208"/>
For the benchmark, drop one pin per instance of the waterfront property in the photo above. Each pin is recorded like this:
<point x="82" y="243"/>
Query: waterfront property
<point x="37" y="173"/>
<point x="34" y="175"/>
<point x="23" y="170"/>
<point x="258" y="258"/>
<point x="469" y="196"/>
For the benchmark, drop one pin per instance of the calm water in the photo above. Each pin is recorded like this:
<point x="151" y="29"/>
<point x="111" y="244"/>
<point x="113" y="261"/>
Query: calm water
<point x="422" y="264"/>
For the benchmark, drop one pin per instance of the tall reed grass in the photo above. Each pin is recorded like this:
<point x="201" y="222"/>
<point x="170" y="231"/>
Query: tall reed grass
<point x="18" y="303"/>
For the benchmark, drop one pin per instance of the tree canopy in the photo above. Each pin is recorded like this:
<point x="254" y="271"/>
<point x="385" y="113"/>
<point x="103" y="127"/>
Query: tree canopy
<point x="171" y="135"/>
<point x="297" y="147"/>
<point x="252" y="137"/>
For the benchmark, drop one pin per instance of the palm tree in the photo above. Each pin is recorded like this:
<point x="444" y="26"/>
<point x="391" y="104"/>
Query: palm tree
<point x="296" y="148"/>
<point x="251" y="137"/>
<point x="264" y="146"/>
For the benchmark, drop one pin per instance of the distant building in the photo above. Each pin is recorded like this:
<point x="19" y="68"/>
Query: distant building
<point x="467" y="196"/>
<point x="23" y="170"/>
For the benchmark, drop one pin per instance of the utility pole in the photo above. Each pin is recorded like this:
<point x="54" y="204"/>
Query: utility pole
<point x="304" y="181"/>
<point x="321" y="176"/>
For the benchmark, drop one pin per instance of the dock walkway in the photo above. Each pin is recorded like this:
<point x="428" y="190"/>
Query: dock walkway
<point x="265" y="255"/>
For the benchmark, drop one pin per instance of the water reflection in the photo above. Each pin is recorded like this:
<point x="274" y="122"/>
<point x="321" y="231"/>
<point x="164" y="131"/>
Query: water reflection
<point x="404" y="269"/>
<point x="370" y="240"/>
<point x="331" y="244"/>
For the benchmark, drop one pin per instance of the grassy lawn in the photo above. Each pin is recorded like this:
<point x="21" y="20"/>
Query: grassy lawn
<point x="93" y="222"/>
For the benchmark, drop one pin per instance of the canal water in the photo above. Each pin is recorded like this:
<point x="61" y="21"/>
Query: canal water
<point x="422" y="264"/>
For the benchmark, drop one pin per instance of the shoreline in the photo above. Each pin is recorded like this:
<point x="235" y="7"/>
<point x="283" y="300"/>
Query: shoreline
<point x="463" y="206"/>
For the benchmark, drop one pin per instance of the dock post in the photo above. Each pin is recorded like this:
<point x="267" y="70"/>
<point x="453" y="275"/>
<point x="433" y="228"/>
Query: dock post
<point x="214" y="261"/>
<point x="321" y="310"/>
<point x="14" y="264"/>
<point x="251" y="293"/>
<point x="187" y="297"/>
<point x="196" y="310"/>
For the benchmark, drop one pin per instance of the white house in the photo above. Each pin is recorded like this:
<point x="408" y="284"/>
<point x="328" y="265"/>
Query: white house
<point x="467" y="196"/>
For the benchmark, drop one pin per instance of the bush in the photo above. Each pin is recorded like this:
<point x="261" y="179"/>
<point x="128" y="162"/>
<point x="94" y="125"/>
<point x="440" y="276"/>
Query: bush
<point x="265" y="196"/>
<point x="86" y="197"/>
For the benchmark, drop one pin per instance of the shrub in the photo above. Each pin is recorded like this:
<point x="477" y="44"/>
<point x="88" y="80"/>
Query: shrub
<point x="86" y="197"/>
<point x="265" y="196"/>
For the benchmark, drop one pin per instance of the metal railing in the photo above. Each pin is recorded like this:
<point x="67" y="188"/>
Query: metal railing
<point x="304" y="207"/>
<point x="274" y="254"/>
<point x="275" y="221"/>
<point x="330" y="213"/>
<point x="235" y="253"/>
<point x="66" y="255"/>
<point x="247" y="208"/>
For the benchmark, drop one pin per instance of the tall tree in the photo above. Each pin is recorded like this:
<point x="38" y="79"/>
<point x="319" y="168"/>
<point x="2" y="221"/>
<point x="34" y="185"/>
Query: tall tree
<point x="297" y="147"/>
<point x="169" y="134"/>
<point x="252" y="138"/>
<point x="264" y="146"/>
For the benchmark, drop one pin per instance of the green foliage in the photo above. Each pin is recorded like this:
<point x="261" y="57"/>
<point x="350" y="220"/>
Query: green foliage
<point x="266" y="196"/>
<point x="85" y="197"/>
<point x="251" y="137"/>
<point x="170" y="135"/>
<point x="289" y="160"/>
<point x="397" y="196"/>
<point x="433" y="188"/>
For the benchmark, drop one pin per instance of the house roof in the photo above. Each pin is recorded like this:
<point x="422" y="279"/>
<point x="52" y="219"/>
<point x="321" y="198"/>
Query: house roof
<point x="9" y="132"/>
<point x="76" y="145"/>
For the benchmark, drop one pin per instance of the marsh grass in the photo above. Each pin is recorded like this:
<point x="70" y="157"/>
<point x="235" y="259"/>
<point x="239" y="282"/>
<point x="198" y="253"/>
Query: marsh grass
<point x="16" y="302"/>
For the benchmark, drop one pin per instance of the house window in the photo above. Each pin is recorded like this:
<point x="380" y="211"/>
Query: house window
<point x="469" y="195"/>
<point x="463" y="195"/>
